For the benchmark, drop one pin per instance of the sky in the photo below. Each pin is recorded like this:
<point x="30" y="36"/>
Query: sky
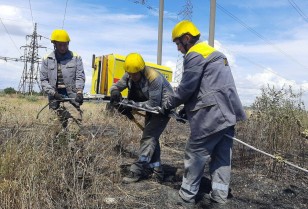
<point x="265" y="41"/>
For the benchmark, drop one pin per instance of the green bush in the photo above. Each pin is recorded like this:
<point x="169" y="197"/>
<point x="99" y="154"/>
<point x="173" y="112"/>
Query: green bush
<point x="274" y="125"/>
<point x="9" y="90"/>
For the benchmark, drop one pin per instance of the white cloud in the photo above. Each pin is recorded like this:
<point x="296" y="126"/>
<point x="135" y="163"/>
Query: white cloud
<point x="268" y="77"/>
<point x="105" y="28"/>
<point x="228" y="54"/>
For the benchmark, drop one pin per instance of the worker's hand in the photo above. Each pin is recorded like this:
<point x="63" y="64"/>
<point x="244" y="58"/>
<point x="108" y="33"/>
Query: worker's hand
<point x="182" y="113"/>
<point x="79" y="98"/>
<point x="115" y="96"/>
<point x="141" y="105"/>
<point x="165" y="111"/>
<point x="58" y="96"/>
<point x="182" y="117"/>
<point x="125" y="110"/>
<point x="148" y="107"/>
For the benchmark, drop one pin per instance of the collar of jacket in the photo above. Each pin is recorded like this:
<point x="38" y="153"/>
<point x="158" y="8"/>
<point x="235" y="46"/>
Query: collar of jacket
<point x="148" y="74"/>
<point x="52" y="55"/>
<point x="68" y="55"/>
<point x="201" y="48"/>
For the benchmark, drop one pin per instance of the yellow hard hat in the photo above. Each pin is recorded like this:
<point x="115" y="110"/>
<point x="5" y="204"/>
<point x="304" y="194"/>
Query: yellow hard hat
<point x="59" y="35"/>
<point x="184" y="27"/>
<point x="134" y="63"/>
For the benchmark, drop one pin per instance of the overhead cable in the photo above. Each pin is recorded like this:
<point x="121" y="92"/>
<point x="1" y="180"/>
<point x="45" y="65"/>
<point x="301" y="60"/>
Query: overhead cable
<point x="31" y="13"/>
<point x="64" y="14"/>
<point x="10" y="36"/>
<point x="298" y="10"/>
<point x="149" y="7"/>
<point x="260" y="36"/>
<point x="257" y="64"/>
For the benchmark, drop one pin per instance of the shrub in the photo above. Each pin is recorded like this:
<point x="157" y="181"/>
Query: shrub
<point x="9" y="90"/>
<point x="275" y="122"/>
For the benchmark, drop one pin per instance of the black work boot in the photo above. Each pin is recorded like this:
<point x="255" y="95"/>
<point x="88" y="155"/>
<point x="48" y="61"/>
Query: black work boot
<point x="175" y="198"/>
<point x="132" y="178"/>
<point x="158" y="174"/>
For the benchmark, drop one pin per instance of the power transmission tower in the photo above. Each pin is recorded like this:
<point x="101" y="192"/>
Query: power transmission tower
<point x="185" y="14"/>
<point x="31" y="60"/>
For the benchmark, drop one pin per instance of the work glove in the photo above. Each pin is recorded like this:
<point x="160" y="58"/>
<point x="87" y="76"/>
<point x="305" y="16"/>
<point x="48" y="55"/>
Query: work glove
<point x="58" y="96"/>
<point x="164" y="111"/>
<point x="182" y="115"/>
<point x="124" y="110"/>
<point x="79" y="98"/>
<point x="148" y="107"/>
<point x="115" y="96"/>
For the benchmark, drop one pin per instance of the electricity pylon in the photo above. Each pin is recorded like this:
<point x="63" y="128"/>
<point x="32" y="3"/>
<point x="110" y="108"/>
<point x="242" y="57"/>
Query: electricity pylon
<point x="186" y="14"/>
<point x="30" y="76"/>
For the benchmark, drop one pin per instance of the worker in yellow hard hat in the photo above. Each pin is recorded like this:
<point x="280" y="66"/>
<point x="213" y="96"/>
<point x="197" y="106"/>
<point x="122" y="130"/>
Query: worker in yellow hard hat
<point x="148" y="88"/>
<point x="212" y="107"/>
<point x="62" y="76"/>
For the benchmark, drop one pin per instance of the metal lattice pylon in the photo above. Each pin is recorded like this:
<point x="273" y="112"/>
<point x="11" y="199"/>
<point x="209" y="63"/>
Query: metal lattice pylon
<point x="30" y="77"/>
<point x="185" y="14"/>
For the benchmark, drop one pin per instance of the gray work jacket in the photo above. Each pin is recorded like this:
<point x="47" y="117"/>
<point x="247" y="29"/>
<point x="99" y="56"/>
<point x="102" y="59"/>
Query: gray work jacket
<point x="72" y="71"/>
<point x="153" y="85"/>
<point x="208" y="92"/>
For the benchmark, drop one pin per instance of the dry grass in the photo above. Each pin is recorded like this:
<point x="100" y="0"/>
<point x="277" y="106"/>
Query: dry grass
<point x="42" y="167"/>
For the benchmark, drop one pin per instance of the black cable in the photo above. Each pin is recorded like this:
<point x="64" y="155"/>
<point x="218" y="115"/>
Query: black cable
<point x="10" y="37"/>
<point x="64" y="14"/>
<point x="298" y="10"/>
<point x="260" y="36"/>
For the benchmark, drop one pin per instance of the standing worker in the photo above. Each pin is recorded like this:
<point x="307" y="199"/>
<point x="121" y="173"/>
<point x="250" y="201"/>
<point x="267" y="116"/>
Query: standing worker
<point x="212" y="107"/>
<point x="62" y="76"/>
<point x="149" y="88"/>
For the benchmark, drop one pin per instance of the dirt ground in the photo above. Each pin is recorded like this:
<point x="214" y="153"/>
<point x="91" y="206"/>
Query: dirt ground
<point x="248" y="190"/>
<point x="252" y="186"/>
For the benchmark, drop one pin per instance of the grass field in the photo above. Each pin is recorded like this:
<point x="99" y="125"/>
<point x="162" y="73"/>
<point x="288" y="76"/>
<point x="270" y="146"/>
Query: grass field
<point x="43" y="167"/>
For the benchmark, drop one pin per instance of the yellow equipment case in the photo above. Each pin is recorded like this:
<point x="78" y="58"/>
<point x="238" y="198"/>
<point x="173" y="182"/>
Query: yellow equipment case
<point x="108" y="69"/>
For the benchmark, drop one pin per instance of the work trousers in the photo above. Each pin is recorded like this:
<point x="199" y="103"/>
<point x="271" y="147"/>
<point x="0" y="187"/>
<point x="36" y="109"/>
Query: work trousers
<point x="215" y="152"/>
<point x="149" y="151"/>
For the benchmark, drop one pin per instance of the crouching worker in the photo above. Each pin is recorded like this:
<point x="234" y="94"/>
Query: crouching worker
<point x="62" y="76"/>
<point x="149" y="88"/>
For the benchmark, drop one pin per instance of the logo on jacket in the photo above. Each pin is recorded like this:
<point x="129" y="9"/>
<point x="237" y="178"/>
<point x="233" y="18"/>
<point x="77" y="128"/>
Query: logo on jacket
<point x="226" y="62"/>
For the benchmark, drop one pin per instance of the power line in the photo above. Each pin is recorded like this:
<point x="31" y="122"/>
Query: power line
<point x="298" y="10"/>
<point x="258" y="64"/>
<point x="260" y="36"/>
<point x="31" y="58"/>
<point x="185" y="14"/>
<point x="64" y="14"/>
<point x="187" y="11"/>
<point x="149" y="7"/>
<point x="16" y="20"/>
<point x="10" y="36"/>
<point x="12" y="59"/>
<point x="31" y="13"/>
<point x="143" y="2"/>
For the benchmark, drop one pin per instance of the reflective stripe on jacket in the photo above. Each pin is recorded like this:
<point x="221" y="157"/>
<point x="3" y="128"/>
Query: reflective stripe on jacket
<point x="208" y="91"/>
<point x="72" y="71"/>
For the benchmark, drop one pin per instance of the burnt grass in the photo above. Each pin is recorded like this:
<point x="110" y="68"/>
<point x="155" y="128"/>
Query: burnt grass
<point x="256" y="182"/>
<point x="83" y="168"/>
